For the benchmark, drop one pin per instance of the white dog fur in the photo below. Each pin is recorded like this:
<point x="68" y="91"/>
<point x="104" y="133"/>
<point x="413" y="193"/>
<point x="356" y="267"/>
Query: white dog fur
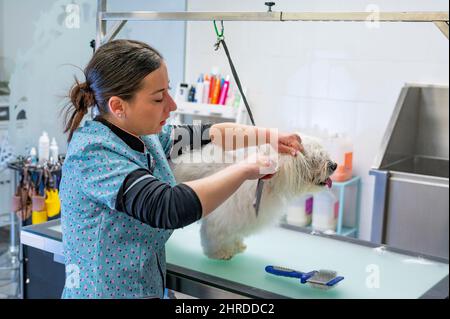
<point x="223" y="231"/>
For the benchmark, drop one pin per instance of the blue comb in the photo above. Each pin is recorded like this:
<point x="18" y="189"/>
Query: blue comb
<point x="321" y="279"/>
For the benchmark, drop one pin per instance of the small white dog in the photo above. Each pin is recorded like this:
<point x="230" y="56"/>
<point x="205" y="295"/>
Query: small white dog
<point x="223" y="231"/>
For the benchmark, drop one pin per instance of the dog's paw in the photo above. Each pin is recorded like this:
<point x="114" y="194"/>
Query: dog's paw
<point x="240" y="247"/>
<point x="222" y="255"/>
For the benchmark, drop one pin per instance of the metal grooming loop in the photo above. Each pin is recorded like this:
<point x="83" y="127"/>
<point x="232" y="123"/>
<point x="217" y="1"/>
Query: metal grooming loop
<point x="440" y="19"/>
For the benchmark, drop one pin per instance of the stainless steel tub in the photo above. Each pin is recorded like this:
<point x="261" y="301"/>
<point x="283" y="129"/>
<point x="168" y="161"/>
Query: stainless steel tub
<point x="411" y="200"/>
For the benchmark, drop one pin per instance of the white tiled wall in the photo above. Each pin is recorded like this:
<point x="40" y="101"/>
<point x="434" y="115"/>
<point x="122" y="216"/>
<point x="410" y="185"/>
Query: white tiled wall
<point x="344" y="77"/>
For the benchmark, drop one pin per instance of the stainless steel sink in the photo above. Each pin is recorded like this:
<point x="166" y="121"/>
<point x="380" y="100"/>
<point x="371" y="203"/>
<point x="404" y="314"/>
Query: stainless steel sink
<point x="411" y="199"/>
<point x="421" y="165"/>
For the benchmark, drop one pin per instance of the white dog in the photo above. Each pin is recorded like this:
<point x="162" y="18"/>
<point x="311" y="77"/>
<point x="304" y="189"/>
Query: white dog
<point x="223" y="231"/>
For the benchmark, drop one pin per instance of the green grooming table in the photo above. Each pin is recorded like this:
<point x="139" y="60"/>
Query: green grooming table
<point x="370" y="271"/>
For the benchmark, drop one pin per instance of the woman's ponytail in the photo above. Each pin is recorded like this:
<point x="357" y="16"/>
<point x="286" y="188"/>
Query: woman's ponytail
<point x="81" y="99"/>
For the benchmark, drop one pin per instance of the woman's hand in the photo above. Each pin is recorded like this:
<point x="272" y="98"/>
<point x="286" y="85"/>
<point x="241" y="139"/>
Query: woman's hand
<point x="259" y="166"/>
<point x="213" y="190"/>
<point x="289" y="144"/>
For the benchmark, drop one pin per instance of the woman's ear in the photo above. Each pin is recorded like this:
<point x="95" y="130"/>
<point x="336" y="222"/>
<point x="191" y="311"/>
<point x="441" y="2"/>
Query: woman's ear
<point x="117" y="106"/>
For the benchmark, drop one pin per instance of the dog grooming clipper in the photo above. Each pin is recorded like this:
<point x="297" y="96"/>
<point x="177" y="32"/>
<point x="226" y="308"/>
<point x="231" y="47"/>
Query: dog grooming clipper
<point x="321" y="279"/>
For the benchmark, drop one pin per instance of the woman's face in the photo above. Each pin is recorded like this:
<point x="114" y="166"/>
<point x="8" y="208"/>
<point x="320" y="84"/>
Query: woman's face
<point x="148" y="111"/>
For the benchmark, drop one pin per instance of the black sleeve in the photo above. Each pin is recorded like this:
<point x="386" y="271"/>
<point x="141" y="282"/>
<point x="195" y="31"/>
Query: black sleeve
<point x="189" y="137"/>
<point x="144" y="197"/>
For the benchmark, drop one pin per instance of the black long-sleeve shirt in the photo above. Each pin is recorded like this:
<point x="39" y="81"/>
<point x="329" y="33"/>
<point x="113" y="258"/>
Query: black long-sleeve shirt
<point x="156" y="203"/>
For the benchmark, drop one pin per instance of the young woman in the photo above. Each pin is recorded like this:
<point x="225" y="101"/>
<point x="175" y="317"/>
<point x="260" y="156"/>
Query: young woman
<point x="120" y="201"/>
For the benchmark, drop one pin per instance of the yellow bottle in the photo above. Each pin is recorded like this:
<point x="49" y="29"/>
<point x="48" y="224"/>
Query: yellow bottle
<point x="38" y="217"/>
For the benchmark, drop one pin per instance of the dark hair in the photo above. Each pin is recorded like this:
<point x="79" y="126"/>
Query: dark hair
<point x="116" y="69"/>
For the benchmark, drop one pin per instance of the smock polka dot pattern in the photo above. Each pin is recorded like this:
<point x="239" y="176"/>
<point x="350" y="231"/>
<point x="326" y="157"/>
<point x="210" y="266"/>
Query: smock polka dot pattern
<point x="109" y="254"/>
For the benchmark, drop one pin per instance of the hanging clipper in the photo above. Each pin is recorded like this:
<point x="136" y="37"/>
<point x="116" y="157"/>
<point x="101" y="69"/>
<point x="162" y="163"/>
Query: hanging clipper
<point x="220" y="40"/>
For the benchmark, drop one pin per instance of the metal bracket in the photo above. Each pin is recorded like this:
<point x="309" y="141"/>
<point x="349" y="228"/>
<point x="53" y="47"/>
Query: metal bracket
<point x="443" y="26"/>
<point x="115" y="29"/>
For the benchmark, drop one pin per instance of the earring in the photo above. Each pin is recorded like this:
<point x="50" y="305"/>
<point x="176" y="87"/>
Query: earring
<point x="120" y="115"/>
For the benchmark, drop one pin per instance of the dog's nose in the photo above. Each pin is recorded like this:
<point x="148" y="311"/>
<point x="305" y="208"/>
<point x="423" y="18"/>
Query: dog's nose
<point x="332" y="166"/>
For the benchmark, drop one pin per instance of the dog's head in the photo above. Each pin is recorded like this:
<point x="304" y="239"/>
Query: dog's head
<point x="311" y="170"/>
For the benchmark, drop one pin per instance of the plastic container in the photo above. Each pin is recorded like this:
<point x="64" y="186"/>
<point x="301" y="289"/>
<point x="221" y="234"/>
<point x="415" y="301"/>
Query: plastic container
<point x="191" y="94"/>
<point x="44" y="148"/>
<point x="224" y="91"/>
<point x="54" y="151"/>
<point x="299" y="211"/>
<point x="199" y="91"/>
<point x="341" y="151"/>
<point x="33" y="156"/>
<point x="182" y="93"/>
<point x="206" y="86"/>
<point x="216" y="91"/>
<point x="38" y="217"/>
<point x="325" y="211"/>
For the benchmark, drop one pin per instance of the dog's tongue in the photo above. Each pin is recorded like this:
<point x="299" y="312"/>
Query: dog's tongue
<point x="329" y="182"/>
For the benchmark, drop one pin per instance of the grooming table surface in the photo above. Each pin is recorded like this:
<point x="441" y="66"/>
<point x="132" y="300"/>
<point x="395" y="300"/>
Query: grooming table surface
<point x="369" y="272"/>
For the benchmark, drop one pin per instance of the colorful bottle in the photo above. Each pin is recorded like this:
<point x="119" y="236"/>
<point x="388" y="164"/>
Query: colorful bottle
<point x="224" y="91"/>
<point x="341" y="151"/>
<point x="191" y="95"/>
<point x="211" y="88"/>
<point x="216" y="92"/>
<point x="212" y="85"/>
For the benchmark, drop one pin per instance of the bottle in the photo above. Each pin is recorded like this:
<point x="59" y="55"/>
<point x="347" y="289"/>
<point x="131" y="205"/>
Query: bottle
<point x="191" y="95"/>
<point x="199" y="90"/>
<point x="206" y="85"/>
<point x="212" y="84"/>
<point x="224" y="91"/>
<point x="216" y="92"/>
<point x="182" y="92"/>
<point x="54" y="151"/>
<point x="299" y="211"/>
<point x="341" y="151"/>
<point x="237" y="99"/>
<point x="44" y="148"/>
<point x="33" y="156"/>
<point x="325" y="211"/>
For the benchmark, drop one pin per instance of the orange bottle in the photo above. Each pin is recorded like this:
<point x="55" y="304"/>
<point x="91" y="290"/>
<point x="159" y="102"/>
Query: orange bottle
<point x="342" y="154"/>
<point x="211" y="88"/>
<point x="216" y="93"/>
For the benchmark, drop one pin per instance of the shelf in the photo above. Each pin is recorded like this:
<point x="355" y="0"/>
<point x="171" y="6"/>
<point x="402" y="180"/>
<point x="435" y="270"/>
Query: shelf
<point x="208" y="110"/>
<point x="341" y="230"/>
<point x="352" y="180"/>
